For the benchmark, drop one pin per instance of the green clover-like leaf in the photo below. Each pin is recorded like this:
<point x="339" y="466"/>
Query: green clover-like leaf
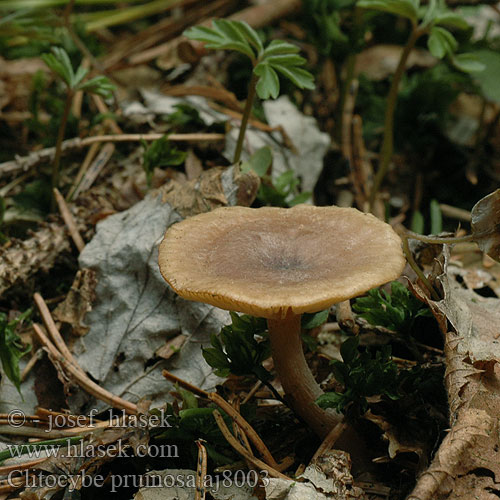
<point x="441" y="42"/>
<point x="403" y="8"/>
<point x="268" y="84"/>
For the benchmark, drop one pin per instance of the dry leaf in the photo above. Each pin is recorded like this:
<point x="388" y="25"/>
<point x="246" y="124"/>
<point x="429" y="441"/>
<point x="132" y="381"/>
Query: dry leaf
<point x="486" y="224"/>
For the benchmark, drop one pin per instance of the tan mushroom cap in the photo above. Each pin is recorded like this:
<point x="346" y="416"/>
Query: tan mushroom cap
<point x="268" y="261"/>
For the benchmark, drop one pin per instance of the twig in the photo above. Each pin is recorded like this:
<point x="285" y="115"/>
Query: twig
<point x="69" y="220"/>
<point x="329" y="440"/>
<point x="201" y="471"/>
<point x="22" y="164"/>
<point x="30" y="364"/>
<point x="241" y="450"/>
<point x="186" y="385"/>
<point x="252" y="392"/>
<point x="455" y="213"/>
<point x="81" y="379"/>
<point x="418" y="271"/>
<point x="345" y="317"/>
<point x="246" y="427"/>
<point x="49" y="323"/>
<point x="25" y="465"/>
<point x="91" y="173"/>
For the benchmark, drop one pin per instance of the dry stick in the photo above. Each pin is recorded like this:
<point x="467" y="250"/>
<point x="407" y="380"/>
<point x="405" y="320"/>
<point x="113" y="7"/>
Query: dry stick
<point x="69" y="220"/>
<point x="19" y="467"/>
<point x="241" y="450"/>
<point x="246" y="427"/>
<point x="186" y="385"/>
<point x="91" y="153"/>
<point x="252" y="392"/>
<point x="345" y="317"/>
<point x="81" y="379"/>
<point x="49" y="323"/>
<point x="30" y="364"/>
<point x="455" y="213"/>
<point x="105" y="154"/>
<point x="240" y="435"/>
<point x="201" y="470"/>
<point x="329" y="440"/>
<point x="24" y="163"/>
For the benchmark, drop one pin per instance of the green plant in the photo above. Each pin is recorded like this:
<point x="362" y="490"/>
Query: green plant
<point x="280" y="192"/>
<point x="240" y="348"/>
<point x="396" y="311"/>
<point x="432" y="20"/>
<point x="277" y="57"/>
<point x="160" y="153"/>
<point x="59" y="62"/>
<point x="11" y="349"/>
<point x="362" y="375"/>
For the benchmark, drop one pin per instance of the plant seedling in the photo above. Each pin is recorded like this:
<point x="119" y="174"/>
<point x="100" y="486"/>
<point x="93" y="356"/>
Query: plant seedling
<point x="160" y="153"/>
<point x="277" y="57"/>
<point x="59" y="62"/>
<point x="432" y="20"/>
<point x="362" y="376"/>
<point x="281" y="192"/>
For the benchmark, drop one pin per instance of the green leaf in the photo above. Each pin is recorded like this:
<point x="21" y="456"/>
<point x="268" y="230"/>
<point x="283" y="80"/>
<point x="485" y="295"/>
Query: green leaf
<point x="277" y="47"/>
<point x="417" y="222"/>
<point x="60" y="64"/>
<point x="11" y="349"/>
<point x="268" y="84"/>
<point x="451" y="20"/>
<point x="99" y="85"/>
<point x="313" y="320"/>
<point x="469" y="63"/>
<point x="251" y="35"/>
<point x="349" y="349"/>
<point x="441" y="42"/>
<point x="436" y="217"/>
<point x="489" y="78"/>
<point x="160" y="153"/>
<point x="404" y="8"/>
<point x="285" y="60"/>
<point x="225" y="35"/>
<point x="300" y="198"/>
<point x="259" y="162"/>
<point x="300" y="77"/>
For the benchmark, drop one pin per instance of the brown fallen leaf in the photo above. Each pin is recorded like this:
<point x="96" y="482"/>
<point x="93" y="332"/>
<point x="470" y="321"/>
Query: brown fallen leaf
<point x="485" y="224"/>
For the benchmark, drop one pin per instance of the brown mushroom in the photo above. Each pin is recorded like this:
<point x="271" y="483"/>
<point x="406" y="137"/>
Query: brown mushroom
<point x="279" y="263"/>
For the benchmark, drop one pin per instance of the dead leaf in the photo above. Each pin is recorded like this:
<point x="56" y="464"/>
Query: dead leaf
<point x="78" y="302"/>
<point x="485" y="224"/>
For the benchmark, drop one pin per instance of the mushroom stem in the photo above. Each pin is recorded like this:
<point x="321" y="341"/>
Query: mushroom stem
<point x="301" y="389"/>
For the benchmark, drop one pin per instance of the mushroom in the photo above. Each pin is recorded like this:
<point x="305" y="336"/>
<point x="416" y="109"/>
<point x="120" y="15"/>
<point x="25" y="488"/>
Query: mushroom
<point x="278" y="263"/>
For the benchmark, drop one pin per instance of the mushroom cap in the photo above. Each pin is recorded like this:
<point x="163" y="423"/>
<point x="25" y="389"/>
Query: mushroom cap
<point x="270" y="261"/>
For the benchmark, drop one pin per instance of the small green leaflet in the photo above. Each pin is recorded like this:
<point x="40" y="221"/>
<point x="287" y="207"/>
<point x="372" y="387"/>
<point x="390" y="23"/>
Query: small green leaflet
<point x="278" y="57"/>
<point x="59" y="62"/>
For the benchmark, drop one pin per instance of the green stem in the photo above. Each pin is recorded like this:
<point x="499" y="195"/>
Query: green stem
<point x="246" y="116"/>
<point x="436" y="240"/>
<point x="388" y="141"/>
<point x="22" y="449"/>
<point x="60" y="138"/>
